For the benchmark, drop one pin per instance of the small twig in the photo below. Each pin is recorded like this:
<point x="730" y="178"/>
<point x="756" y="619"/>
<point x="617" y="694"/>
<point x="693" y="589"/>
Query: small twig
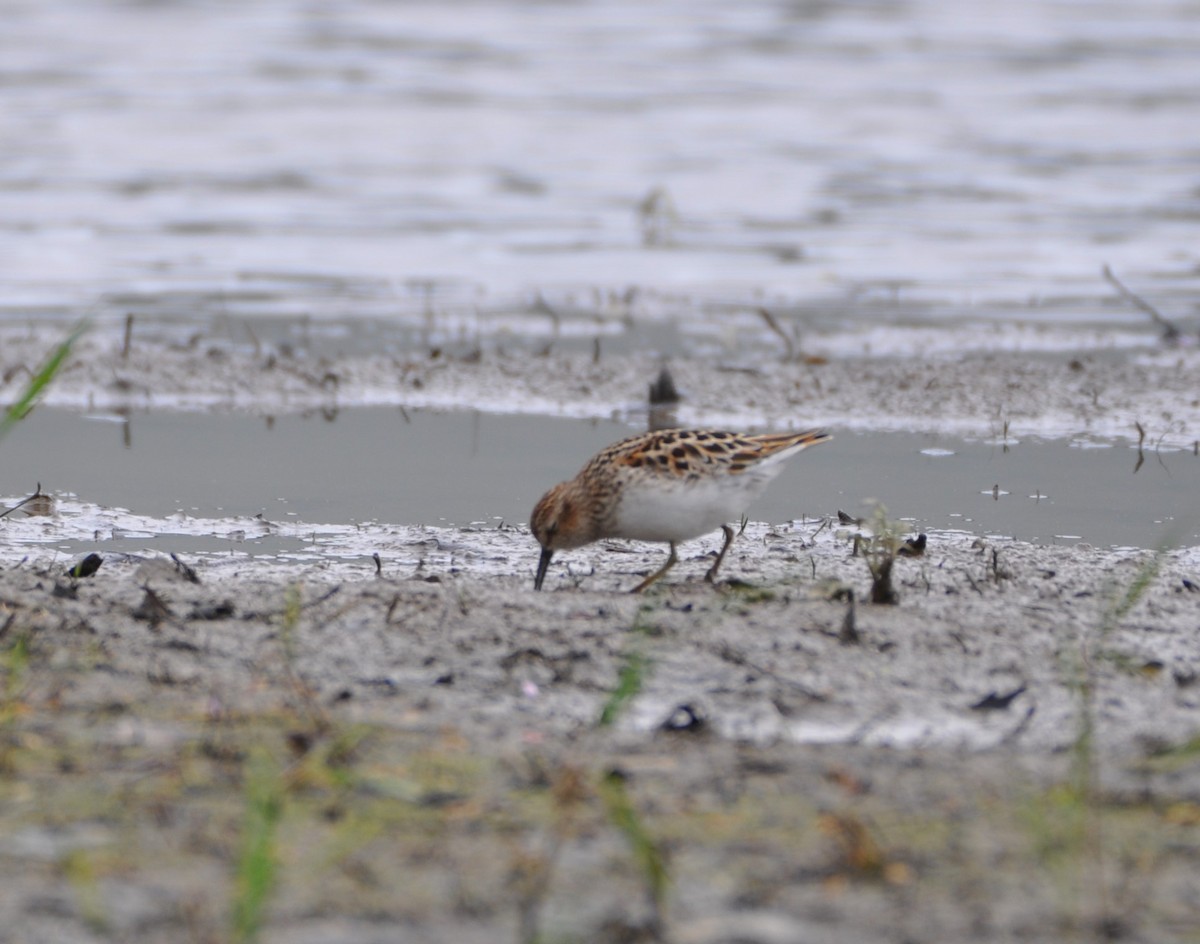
<point x="154" y="610"/>
<point x="774" y="326"/>
<point x="736" y="657"/>
<point x="1171" y="332"/>
<point x="269" y="614"/>
<point x="849" y="635"/>
<point x="24" y="501"/>
<point x="254" y="340"/>
<point x="826" y="522"/>
<point x="542" y="307"/>
<point x="1021" y="726"/>
<point x="187" y="573"/>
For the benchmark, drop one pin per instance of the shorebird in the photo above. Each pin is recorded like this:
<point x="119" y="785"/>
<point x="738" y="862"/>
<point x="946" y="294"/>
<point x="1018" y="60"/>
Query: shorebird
<point x="667" y="485"/>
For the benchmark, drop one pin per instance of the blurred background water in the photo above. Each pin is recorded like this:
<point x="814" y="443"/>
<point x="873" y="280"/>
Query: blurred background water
<point x="367" y="174"/>
<point x="880" y="160"/>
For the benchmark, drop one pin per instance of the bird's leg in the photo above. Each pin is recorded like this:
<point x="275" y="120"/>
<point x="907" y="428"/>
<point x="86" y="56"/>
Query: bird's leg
<point x="712" y="571"/>
<point x="658" y="573"/>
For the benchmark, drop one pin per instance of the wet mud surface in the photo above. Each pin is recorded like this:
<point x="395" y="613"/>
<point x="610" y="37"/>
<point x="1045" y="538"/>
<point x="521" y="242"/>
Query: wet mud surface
<point x="1008" y="384"/>
<point x="1009" y="752"/>
<point x="299" y="748"/>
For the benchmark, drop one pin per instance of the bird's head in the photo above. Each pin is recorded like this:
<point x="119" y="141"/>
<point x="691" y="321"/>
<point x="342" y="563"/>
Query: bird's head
<point x="557" y="523"/>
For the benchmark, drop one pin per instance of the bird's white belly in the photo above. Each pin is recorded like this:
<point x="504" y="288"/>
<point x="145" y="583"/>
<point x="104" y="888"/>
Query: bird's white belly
<point x="683" y="512"/>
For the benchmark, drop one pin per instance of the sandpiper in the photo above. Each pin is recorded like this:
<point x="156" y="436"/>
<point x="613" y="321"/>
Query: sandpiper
<point x="667" y="485"/>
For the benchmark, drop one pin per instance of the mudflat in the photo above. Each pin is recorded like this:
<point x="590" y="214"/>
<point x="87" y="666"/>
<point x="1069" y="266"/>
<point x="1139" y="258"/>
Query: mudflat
<point x="431" y="751"/>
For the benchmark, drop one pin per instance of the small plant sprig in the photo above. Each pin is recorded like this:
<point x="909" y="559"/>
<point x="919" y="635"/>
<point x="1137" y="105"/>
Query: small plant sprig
<point x="1117" y="609"/>
<point x="40" y="380"/>
<point x="533" y="872"/>
<point x="14" y="663"/>
<point x="258" y="864"/>
<point x="648" y="854"/>
<point x="629" y="684"/>
<point x="1084" y="791"/>
<point x="634" y="670"/>
<point x="880" y="550"/>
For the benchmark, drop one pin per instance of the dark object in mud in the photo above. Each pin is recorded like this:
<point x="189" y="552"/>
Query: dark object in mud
<point x="37" y="504"/>
<point x="213" y="611"/>
<point x="686" y="718"/>
<point x="86" y="567"/>
<point x="846" y="519"/>
<point x="663" y="390"/>
<point x="65" y="591"/>
<point x="848" y="635"/>
<point x="184" y="571"/>
<point x="880" y="552"/>
<point x="153" y="609"/>
<point x="882" y="590"/>
<point x="994" y="702"/>
<point x="300" y="742"/>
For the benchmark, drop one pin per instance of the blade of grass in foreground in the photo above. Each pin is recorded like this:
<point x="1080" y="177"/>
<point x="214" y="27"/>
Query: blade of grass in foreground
<point x="41" y="380"/>
<point x="257" y="867"/>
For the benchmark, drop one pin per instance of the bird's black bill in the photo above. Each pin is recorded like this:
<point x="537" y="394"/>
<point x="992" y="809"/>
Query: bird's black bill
<point x="543" y="565"/>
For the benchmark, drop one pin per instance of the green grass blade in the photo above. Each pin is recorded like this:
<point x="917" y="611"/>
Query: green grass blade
<point x="258" y="865"/>
<point x="41" y="380"/>
<point x="646" y="852"/>
<point x="629" y="684"/>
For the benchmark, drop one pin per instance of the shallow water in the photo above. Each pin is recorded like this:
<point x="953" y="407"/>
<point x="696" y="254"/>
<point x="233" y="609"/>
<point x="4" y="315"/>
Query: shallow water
<point x="843" y="163"/>
<point x="361" y="176"/>
<point x="193" y="476"/>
